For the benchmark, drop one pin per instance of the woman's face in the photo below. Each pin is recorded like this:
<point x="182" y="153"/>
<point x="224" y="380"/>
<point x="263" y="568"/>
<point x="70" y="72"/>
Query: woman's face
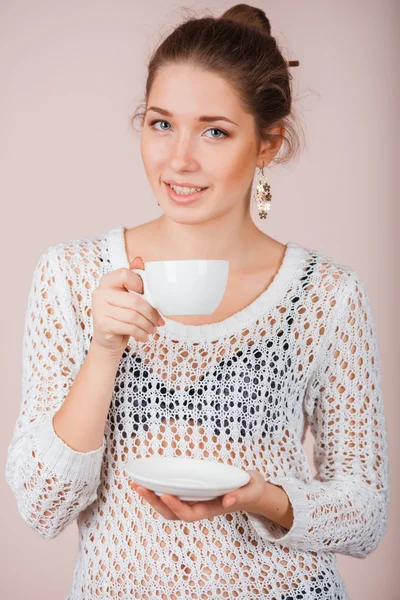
<point x="217" y="154"/>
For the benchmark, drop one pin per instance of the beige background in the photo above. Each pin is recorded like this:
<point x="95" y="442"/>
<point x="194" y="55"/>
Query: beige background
<point x="72" y="74"/>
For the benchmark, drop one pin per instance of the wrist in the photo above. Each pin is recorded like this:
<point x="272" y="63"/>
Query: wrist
<point x="275" y="505"/>
<point x="102" y="353"/>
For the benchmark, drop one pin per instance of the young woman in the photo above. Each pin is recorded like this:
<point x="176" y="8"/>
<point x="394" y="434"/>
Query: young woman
<point x="292" y="344"/>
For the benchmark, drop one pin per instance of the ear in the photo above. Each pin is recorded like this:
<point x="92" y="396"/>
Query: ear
<point x="270" y="148"/>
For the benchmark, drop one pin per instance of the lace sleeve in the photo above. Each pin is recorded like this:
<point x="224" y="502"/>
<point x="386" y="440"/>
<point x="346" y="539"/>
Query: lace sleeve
<point x="344" y="508"/>
<point x="51" y="482"/>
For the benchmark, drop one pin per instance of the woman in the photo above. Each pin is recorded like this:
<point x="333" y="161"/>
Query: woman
<point x="292" y="343"/>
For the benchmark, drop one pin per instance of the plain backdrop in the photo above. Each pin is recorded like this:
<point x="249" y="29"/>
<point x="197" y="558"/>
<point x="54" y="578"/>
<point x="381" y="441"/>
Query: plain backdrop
<point x="72" y="74"/>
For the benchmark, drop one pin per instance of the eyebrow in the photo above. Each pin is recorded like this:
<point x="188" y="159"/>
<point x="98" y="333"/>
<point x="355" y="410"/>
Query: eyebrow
<point x="202" y="118"/>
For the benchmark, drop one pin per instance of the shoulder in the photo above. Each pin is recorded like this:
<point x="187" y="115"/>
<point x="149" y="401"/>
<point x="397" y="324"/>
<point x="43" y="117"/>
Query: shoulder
<point x="332" y="290"/>
<point x="74" y="267"/>
<point x="328" y="274"/>
<point x="72" y="270"/>
<point x="77" y="256"/>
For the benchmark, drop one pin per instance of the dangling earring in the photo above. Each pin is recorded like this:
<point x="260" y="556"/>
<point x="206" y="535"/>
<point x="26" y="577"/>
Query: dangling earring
<point x="263" y="196"/>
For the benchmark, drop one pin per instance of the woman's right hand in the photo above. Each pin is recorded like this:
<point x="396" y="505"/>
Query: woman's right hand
<point x="118" y="314"/>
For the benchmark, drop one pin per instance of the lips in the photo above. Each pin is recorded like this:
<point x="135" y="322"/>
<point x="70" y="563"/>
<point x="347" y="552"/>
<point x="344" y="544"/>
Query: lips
<point x="184" y="198"/>
<point x="189" y="185"/>
<point x="197" y="187"/>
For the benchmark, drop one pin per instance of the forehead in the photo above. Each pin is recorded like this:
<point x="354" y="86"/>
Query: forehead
<point x="187" y="91"/>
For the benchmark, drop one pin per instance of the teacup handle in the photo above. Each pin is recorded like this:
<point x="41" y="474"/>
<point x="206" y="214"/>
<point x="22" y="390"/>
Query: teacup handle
<point x="146" y="292"/>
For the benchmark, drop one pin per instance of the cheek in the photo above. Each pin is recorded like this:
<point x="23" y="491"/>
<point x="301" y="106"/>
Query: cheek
<point x="236" y="176"/>
<point x="235" y="167"/>
<point x="152" y="160"/>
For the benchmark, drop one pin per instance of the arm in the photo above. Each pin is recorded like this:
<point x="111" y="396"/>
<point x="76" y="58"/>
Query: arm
<point x="51" y="481"/>
<point x="344" y="508"/>
<point x="275" y="506"/>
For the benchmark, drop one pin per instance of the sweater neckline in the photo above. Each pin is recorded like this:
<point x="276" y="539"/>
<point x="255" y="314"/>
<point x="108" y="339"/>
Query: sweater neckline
<point x="291" y="264"/>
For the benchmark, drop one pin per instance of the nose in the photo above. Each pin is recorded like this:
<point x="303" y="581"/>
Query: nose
<point x="181" y="155"/>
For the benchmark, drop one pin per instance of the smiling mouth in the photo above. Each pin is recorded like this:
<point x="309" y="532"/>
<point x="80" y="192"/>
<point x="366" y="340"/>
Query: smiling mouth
<point x="189" y="198"/>
<point x="188" y="186"/>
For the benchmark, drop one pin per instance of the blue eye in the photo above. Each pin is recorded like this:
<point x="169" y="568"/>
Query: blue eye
<point x="157" y="121"/>
<point x="220" y="130"/>
<point x="224" y="134"/>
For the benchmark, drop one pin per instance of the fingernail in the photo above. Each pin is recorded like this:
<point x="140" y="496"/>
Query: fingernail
<point x="161" y="321"/>
<point x="230" y="502"/>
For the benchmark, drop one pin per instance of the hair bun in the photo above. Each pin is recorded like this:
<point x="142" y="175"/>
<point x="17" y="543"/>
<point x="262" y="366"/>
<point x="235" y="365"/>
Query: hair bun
<point x="248" y="15"/>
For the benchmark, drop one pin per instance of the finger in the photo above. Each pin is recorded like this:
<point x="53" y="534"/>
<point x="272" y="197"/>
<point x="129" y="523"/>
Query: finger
<point x="154" y="501"/>
<point x="137" y="263"/>
<point x="247" y="493"/>
<point x="122" y="279"/>
<point x="182" y="511"/>
<point x="125" y="280"/>
<point x="228" y="502"/>
<point x="130" y="317"/>
<point x="195" y="511"/>
<point x="133" y="302"/>
<point x="120" y="328"/>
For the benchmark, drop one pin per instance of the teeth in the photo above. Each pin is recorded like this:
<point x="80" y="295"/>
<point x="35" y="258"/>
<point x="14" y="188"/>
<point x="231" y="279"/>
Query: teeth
<point x="184" y="190"/>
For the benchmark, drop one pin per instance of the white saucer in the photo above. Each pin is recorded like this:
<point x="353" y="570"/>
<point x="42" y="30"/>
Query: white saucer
<point x="188" y="479"/>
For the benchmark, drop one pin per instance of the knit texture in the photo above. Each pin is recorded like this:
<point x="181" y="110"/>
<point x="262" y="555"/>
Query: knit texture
<point x="241" y="392"/>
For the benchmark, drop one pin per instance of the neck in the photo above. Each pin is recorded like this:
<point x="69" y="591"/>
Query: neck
<point x="235" y="241"/>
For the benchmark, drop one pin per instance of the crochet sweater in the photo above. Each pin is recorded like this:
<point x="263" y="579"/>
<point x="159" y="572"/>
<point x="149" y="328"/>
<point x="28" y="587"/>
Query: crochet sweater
<point x="242" y="392"/>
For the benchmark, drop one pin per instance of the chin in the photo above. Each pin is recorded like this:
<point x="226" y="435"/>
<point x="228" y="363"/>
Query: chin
<point x="184" y="219"/>
<point x="181" y="214"/>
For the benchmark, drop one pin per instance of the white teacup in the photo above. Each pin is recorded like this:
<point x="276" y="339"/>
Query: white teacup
<point x="184" y="287"/>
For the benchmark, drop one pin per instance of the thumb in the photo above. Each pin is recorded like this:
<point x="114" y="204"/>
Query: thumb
<point x="137" y="263"/>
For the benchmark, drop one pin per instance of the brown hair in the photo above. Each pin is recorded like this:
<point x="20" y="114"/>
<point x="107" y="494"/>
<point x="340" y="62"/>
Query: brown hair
<point x="239" y="47"/>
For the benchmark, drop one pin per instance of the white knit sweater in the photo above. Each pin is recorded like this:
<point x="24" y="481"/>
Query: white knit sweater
<point x="242" y="392"/>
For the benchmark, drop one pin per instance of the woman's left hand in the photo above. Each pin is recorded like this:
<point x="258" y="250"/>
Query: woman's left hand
<point x="246" y="498"/>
